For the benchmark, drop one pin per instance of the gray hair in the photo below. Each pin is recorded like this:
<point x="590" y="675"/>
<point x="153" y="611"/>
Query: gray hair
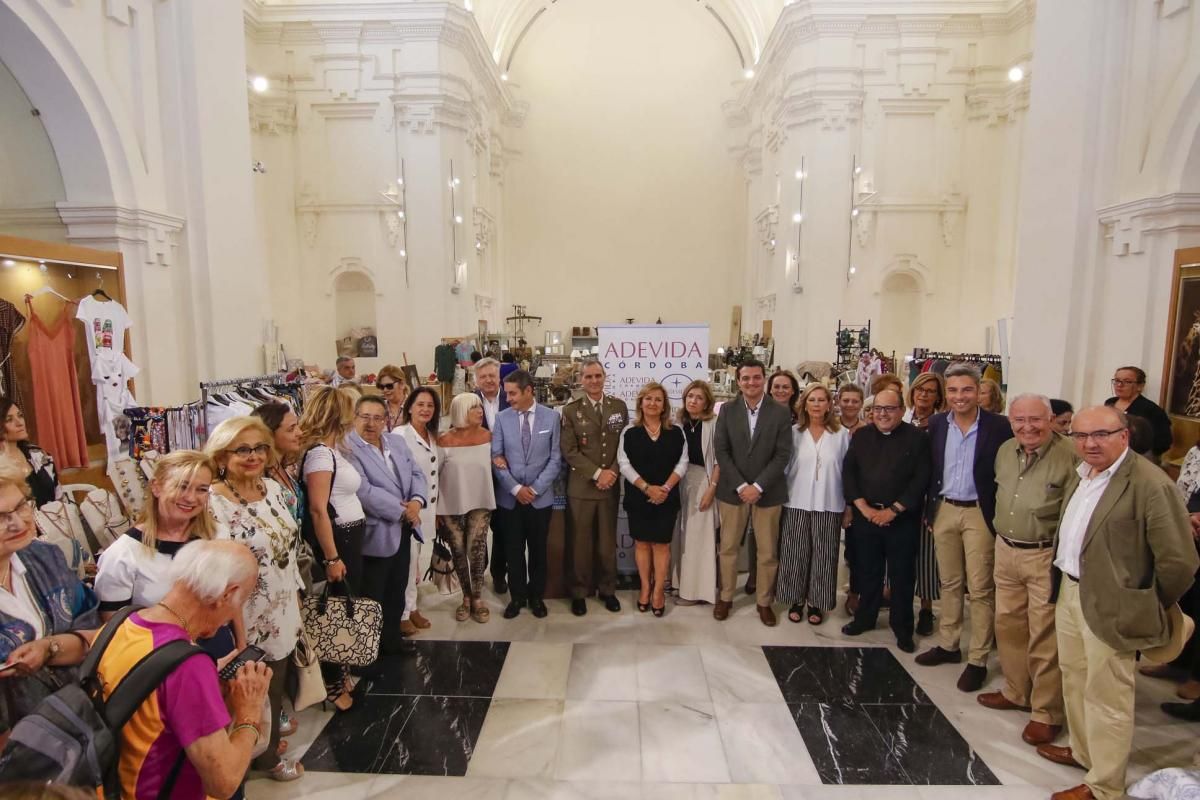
<point x="590" y="362"/>
<point x="962" y="370"/>
<point x="342" y="360"/>
<point x="1032" y="396"/>
<point x="461" y="406"/>
<point x="207" y="568"/>
<point x="484" y="363"/>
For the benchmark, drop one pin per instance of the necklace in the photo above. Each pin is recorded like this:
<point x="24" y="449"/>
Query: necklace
<point x="183" y="623"/>
<point x="60" y="521"/>
<point x="259" y="487"/>
<point x="655" y="433"/>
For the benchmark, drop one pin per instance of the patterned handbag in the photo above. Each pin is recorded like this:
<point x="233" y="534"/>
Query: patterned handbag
<point x="441" y="567"/>
<point x="343" y="630"/>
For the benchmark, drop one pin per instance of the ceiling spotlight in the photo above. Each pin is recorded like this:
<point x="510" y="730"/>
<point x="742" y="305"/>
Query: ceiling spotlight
<point x="797" y="217"/>
<point x="8" y="262"/>
<point x="858" y="170"/>
<point x="400" y="214"/>
<point x="854" y="213"/>
<point x="1016" y="74"/>
<point x="772" y="243"/>
<point x="404" y="254"/>
<point x="479" y="245"/>
<point x="504" y="76"/>
<point x="468" y="5"/>
<point x="458" y="219"/>
<point x="457" y="181"/>
<point x="260" y="84"/>
<point x="799" y="174"/>
<point x="853" y="270"/>
<point x="42" y="266"/>
<point x="399" y="181"/>
<point x="749" y="73"/>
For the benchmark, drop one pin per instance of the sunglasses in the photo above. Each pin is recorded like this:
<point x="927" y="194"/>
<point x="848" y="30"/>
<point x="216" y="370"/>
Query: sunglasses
<point x="387" y="387"/>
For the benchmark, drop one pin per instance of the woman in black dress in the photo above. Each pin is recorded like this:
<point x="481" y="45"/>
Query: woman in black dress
<point x="653" y="458"/>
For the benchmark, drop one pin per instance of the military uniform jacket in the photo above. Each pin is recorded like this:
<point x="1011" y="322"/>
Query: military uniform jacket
<point x="590" y="442"/>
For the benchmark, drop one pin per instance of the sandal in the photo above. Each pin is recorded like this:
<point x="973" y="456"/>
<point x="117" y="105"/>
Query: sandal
<point x="796" y="612"/>
<point x="815" y="616"/>
<point x="341" y="702"/>
<point x="286" y="771"/>
<point x="481" y="613"/>
<point x="462" y="612"/>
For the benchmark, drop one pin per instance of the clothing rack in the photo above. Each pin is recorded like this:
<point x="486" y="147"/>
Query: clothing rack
<point x="207" y="389"/>
<point x="987" y="358"/>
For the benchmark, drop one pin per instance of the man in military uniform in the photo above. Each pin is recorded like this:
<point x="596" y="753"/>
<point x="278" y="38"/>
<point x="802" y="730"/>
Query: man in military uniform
<point x="591" y="433"/>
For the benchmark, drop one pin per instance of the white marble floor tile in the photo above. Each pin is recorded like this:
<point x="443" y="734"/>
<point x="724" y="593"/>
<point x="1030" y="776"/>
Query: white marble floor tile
<point x="601" y="741"/>
<point x="535" y="670"/>
<point x="573" y="790"/>
<point x="671" y="673"/>
<point x="854" y="792"/>
<point x="681" y="743"/>
<point x="409" y="787"/>
<point x="315" y="785"/>
<point x="739" y="673"/>
<point x="763" y="745"/>
<point x="603" y="672"/>
<point x="519" y="740"/>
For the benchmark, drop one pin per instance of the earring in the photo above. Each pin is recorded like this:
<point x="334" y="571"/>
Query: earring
<point x="221" y="473"/>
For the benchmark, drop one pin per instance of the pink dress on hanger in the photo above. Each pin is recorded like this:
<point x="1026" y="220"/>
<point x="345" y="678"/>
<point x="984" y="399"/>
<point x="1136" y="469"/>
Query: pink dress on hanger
<point x="56" y="404"/>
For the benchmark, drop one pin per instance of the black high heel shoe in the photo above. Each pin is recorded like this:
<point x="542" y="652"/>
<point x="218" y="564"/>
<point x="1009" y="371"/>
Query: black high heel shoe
<point x="658" y="612"/>
<point x="643" y="607"/>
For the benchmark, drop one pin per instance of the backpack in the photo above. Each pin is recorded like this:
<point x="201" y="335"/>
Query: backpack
<point x="72" y="737"/>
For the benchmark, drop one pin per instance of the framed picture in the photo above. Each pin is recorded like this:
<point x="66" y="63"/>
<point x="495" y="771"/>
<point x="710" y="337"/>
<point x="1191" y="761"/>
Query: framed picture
<point x="1181" y="368"/>
<point x="411" y="376"/>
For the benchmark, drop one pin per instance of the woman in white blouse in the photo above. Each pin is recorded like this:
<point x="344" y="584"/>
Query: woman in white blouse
<point x="135" y="568"/>
<point x="250" y="508"/>
<point x="816" y="509"/>
<point x="423" y="411"/>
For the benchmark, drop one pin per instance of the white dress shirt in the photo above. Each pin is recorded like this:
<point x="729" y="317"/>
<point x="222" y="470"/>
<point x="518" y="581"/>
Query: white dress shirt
<point x="626" y="466"/>
<point x="490" y="409"/>
<point x="815" y="472"/>
<point x="20" y="603"/>
<point x="752" y="414"/>
<point x="1079" y="513"/>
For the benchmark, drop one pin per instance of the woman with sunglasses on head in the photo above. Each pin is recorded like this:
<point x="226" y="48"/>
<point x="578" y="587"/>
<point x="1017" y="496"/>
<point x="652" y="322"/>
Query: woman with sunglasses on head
<point x="249" y="507"/>
<point x="395" y="392"/>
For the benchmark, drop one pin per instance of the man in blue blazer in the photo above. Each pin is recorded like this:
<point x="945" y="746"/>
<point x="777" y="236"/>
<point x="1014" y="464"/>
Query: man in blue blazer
<point x="392" y="492"/>
<point x="526" y="460"/>
<point x="961" y="504"/>
<point x="487" y="387"/>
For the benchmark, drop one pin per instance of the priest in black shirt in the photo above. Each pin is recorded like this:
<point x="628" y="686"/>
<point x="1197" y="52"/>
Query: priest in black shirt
<point x="884" y="477"/>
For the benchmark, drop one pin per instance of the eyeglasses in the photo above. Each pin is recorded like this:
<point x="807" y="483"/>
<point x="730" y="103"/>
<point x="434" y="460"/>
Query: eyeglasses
<point x="245" y="451"/>
<point x="925" y="390"/>
<point x="1099" y="436"/>
<point x="18" y="514"/>
<point x="386" y="387"/>
<point x="886" y="409"/>
<point x="1123" y="382"/>
<point x="373" y="418"/>
<point x="1027" y="420"/>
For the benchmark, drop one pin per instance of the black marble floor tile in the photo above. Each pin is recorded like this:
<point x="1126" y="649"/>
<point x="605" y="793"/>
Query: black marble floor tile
<point x="927" y="746"/>
<point x="405" y="734"/>
<point x="851" y="674"/>
<point x="844" y="744"/>
<point x="454" y="669"/>
<point x="359" y="740"/>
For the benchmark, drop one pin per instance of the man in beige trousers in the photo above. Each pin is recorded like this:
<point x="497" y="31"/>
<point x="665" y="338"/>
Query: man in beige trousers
<point x="1032" y="474"/>
<point x="1123" y="556"/>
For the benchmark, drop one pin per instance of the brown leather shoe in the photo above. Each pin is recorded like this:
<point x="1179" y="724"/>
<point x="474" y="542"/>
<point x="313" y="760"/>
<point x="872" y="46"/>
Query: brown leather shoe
<point x="1059" y="755"/>
<point x="419" y="620"/>
<point x="998" y="702"/>
<point x="1037" y="733"/>
<point x="1080" y="792"/>
<point x="408" y="628"/>
<point x="721" y="610"/>
<point x="767" y="615"/>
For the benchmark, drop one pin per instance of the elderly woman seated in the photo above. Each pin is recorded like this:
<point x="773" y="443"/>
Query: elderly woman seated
<point x="40" y="598"/>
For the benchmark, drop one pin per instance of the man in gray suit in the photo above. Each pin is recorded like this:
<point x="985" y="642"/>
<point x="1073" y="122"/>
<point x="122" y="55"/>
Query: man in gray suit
<point x="754" y="445"/>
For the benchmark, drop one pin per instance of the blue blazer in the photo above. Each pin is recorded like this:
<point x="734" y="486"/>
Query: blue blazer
<point x="384" y="491"/>
<point x="994" y="430"/>
<point x="545" y="457"/>
<point x="501" y="403"/>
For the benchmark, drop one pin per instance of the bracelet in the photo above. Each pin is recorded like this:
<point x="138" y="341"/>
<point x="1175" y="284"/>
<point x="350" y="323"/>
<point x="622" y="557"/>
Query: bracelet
<point x="247" y="726"/>
<point x="329" y="562"/>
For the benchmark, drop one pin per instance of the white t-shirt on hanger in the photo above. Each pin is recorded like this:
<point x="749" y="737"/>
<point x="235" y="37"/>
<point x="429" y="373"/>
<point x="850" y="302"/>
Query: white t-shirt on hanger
<point x="105" y="322"/>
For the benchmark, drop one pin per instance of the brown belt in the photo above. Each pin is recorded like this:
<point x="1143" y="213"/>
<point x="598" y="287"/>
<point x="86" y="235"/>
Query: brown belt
<point x="1072" y="577"/>
<point x="961" y="503"/>
<point x="1027" y="545"/>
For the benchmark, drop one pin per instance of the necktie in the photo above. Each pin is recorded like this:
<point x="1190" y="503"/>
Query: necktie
<point x="526" y="433"/>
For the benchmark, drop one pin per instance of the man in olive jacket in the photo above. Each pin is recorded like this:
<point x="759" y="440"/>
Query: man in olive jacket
<point x="1123" y="556"/>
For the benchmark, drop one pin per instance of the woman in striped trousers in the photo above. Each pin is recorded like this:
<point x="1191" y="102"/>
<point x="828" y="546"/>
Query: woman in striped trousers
<point x="813" y="515"/>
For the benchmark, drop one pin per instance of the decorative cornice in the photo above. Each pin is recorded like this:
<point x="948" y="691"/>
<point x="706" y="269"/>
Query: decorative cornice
<point x="30" y="218"/>
<point x="156" y="233"/>
<point x="347" y="109"/>
<point x="995" y="103"/>
<point x="767" y="222"/>
<point x="1126" y="225"/>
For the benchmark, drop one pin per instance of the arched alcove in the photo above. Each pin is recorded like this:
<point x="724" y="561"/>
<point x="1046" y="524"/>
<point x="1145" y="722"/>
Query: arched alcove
<point x="899" y="314"/>
<point x="354" y="302"/>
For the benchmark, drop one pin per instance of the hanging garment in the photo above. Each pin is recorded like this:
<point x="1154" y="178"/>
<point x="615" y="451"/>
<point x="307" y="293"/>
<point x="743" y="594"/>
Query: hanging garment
<point x="105" y="322"/>
<point x="56" y="390"/>
<point x="11" y="321"/>
<point x="111" y="372"/>
<point x="444" y="362"/>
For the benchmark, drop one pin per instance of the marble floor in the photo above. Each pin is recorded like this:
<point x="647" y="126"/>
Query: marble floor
<point x="629" y="706"/>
